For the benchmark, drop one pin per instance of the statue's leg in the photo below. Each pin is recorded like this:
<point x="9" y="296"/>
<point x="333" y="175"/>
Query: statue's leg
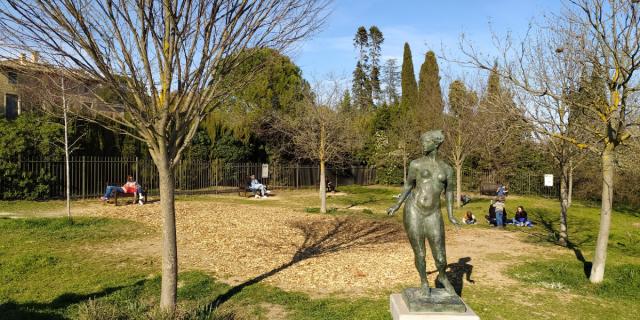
<point x="413" y="226"/>
<point x="435" y="235"/>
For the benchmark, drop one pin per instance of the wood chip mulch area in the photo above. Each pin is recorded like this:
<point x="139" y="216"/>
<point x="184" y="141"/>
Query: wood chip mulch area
<point x="296" y="251"/>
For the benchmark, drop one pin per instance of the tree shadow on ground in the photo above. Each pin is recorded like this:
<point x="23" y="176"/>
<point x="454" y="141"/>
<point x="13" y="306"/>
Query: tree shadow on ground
<point x="457" y="273"/>
<point x="325" y="237"/>
<point x="35" y="310"/>
<point x="553" y="236"/>
<point x="354" y="203"/>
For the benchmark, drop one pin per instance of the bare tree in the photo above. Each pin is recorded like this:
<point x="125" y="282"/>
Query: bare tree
<point x="166" y="62"/>
<point x="461" y="128"/>
<point x="320" y="133"/>
<point x="55" y="92"/>
<point x="603" y="38"/>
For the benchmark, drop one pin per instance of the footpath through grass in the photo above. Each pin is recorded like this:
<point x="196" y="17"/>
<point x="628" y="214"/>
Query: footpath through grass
<point x="51" y="269"/>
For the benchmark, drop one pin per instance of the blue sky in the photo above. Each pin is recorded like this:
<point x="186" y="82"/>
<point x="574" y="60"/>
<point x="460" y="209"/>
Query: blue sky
<point x="425" y="25"/>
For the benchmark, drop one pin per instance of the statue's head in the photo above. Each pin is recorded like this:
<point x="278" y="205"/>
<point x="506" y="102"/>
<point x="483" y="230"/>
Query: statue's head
<point x="431" y="140"/>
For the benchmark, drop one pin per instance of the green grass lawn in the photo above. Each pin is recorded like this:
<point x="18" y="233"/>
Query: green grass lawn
<point x="52" y="269"/>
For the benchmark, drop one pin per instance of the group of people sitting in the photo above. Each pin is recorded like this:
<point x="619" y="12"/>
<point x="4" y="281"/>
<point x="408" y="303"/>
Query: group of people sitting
<point x="131" y="186"/>
<point x="497" y="213"/>
<point x="497" y="216"/>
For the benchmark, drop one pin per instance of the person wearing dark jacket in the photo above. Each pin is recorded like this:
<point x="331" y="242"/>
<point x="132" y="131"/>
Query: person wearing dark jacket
<point x="521" y="219"/>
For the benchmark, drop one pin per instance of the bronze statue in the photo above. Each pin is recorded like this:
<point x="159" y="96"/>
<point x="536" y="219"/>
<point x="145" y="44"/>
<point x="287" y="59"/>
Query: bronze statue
<point x="427" y="178"/>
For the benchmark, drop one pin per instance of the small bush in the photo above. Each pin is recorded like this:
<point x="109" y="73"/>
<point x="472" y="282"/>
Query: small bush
<point x="103" y="310"/>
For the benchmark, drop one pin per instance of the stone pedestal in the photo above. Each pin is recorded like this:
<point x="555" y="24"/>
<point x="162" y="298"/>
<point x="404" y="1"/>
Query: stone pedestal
<point x="412" y="305"/>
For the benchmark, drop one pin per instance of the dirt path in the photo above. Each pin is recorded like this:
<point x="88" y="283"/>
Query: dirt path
<point x="316" y="254"/>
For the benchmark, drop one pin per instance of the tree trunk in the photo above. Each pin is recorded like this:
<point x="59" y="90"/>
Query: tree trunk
<point x="570" y="196"/>
<point x="564" y="204"/>
<point x="458" y="185"/>
<point x="323" y="188"/>
<point x="168" y="293"/>
<point x="67" y="174"/>
<point x="600" y="255"/>
<point x="404" y="167"/>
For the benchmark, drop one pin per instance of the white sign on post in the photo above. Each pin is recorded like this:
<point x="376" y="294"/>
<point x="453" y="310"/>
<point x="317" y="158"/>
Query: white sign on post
<point x="265" y="171"/>
<point x="548" y="180"/>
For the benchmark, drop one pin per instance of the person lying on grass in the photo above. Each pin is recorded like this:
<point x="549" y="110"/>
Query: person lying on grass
<point x="130" y="187"/>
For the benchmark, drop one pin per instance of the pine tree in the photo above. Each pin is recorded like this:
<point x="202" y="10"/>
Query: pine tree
<point x="375" y="50"/>
<point x="430" y="103"/>
<point x="506" y="136"/>
<point x="361" y="88"/>
<point x="391" y="80"/>
<point x="345" y="103"/>
<point x="361" y="84"/>
<point x="408" y="78"/>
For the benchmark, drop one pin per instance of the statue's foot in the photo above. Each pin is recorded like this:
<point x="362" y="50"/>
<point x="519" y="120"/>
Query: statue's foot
<point x="426" y="290"/>
<point x="447" y="285"/>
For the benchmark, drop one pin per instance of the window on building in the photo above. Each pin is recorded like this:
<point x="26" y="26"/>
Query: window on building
<point x="11" y="106"/>
<point x="13" y="77"/>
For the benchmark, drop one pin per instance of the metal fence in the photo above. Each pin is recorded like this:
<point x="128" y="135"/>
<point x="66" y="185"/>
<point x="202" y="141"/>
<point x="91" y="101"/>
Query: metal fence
<point x="522" y="182"/>
<point x="90" y="175"/>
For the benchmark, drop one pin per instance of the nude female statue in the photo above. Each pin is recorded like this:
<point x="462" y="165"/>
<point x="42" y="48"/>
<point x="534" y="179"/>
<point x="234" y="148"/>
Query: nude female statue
<point x="427" y="178"/>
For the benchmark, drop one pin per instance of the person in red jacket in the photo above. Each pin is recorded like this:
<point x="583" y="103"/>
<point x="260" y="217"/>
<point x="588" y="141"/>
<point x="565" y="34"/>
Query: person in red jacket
<point x="130" y="187"/>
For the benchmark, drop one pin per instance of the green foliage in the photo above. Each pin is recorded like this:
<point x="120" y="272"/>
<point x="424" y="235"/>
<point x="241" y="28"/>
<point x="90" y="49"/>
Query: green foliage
<point x="276" y="86"/>
<point x="231" y="150"/>
<point x="408" y="80"/>
<point x="361" y="88"/>
<point x="430" y="105"/>
<point x="28" y="137"/>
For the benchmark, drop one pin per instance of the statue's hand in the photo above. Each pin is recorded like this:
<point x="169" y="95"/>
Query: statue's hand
<point x="455" y="223"/>
<point x="393" y="210"/>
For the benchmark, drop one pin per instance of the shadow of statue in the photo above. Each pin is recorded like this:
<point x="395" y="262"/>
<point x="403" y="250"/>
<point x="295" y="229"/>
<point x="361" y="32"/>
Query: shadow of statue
<point x="457" y="273"/>
<point x="325" y="237"/>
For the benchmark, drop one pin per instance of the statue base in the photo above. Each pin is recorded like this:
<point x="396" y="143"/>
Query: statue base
<point x="412" y="304"/>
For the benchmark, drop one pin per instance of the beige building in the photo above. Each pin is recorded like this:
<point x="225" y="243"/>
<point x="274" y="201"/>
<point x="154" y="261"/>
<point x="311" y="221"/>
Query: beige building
<point x="27" y="84"/>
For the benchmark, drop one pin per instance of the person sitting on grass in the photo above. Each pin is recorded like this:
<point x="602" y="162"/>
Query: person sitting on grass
<point x="465" y="199"/>
<point x="491" y="216"/>
<point x="130" y="187"/>
<point x="255" y="186"/>
<point x="521" y="219"/>
<point x="469" y="218"/>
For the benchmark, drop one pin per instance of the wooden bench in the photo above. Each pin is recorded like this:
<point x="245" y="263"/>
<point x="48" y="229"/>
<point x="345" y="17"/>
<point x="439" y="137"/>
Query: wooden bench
<point x="488" y="189"/>
<point x="127" y="195"/>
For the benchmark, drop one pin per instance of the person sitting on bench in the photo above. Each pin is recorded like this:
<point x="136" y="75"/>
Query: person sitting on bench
<point x="130" y="187"/>
<point x="256" y="186"/>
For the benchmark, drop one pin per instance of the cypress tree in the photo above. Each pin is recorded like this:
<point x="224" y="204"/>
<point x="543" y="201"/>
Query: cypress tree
<point x="430" y="103"/>
<point x="408" y="81"/>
